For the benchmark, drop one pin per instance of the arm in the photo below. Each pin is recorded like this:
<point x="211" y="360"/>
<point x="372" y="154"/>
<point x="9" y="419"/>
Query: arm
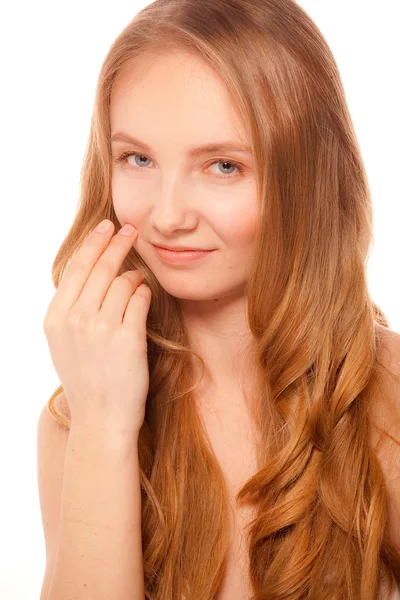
<point x="99" y="553"/>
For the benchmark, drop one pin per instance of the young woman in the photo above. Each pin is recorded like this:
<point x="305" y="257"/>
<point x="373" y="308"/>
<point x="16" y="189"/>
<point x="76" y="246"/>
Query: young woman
<point x="228" y="428"/>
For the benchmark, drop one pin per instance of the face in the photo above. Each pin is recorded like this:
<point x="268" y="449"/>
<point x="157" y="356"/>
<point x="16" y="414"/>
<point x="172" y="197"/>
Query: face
<point x="174" y="198"/>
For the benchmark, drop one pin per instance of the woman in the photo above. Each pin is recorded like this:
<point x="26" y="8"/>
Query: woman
<point x="221" y="126"/>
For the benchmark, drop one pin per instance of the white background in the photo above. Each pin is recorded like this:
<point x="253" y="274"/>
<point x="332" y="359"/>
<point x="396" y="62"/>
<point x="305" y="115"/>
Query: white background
<point x="50" y="57"/>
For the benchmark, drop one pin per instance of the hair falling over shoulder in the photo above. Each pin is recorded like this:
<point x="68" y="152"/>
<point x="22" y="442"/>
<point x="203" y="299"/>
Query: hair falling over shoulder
<point x="319" y="533"/>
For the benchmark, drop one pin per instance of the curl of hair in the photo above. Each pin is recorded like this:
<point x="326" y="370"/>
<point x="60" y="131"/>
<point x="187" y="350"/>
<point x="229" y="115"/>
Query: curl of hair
<point x="319" y="532"/>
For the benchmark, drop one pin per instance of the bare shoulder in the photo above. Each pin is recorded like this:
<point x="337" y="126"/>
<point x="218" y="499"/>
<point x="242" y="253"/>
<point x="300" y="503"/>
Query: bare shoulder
<point x="386" y="409"/>
<point x="385" y="414"/>
<point x="389" y="347"/>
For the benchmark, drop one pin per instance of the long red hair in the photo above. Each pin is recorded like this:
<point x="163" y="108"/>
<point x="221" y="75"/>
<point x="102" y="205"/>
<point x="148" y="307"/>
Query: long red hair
<point x="320" y="530"/>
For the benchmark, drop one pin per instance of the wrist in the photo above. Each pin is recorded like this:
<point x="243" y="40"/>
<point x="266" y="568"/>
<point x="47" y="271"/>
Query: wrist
<point x="104" y="435"/>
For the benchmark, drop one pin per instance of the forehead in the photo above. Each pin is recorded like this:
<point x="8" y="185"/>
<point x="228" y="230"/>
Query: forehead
<point x="175" y="93"/>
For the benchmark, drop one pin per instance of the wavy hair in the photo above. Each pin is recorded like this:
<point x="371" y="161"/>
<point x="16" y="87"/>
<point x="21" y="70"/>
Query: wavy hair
<point x="322" y="507"/>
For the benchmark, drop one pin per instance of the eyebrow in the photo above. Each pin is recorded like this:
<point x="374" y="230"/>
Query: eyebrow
<point x="223" y="146"/>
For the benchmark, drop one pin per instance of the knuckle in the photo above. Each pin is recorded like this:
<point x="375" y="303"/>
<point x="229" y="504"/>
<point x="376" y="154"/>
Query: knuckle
<point x="141" y="295"/>
<point x="101" y="327"/>
<point x="139" y="290"/>
<point x="76" y="319"/>
<point x="131" y="275"/>
<point x="104" y="266"/>
<point x="130" y="335"/>
<point x="144" y="290"/>
<point x="77" y="265"/>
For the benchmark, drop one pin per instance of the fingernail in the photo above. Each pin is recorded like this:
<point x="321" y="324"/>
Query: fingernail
<point x="127" y="229"/>
<point x="103" y="226"/>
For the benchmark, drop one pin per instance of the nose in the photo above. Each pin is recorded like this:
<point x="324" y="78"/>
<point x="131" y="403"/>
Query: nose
<point x="171" y="211"/>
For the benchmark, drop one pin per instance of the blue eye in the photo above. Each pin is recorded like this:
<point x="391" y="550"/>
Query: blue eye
<point x="125" y="155"/>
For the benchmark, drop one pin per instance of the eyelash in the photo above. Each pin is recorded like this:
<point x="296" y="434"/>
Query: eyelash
<point x="126" y="155"/>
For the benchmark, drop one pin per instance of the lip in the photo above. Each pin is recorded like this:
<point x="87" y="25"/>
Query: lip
<point x="181" y="256"/>
<point x="177" y="249"/>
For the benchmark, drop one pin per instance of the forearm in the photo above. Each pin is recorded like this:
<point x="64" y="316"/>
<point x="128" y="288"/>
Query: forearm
<point x="99" y="553"/>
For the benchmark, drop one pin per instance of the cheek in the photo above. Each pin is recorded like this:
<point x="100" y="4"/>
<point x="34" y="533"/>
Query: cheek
<point x="125" y="206"/>
<point x="233" y="217"/>
<point x="236" y="223"/>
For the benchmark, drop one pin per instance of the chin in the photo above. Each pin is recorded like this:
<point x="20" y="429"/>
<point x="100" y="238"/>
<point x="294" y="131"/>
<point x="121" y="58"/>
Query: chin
<point x="201" y="292"/>
<point x="196" y="295"/>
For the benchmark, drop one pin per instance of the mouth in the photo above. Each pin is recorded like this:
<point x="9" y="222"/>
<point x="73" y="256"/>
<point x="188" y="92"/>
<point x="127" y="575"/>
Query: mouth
<point x="172" y="249"/>
<point x="181" y="256"/>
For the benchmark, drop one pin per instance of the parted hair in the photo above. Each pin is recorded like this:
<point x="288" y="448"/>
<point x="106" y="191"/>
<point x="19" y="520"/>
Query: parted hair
<point x="320" y="529"/>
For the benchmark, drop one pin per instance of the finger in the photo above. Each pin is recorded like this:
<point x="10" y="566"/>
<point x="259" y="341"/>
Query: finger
<point x="79" y="268"/>
<point x="135" y="316"/>
<point x="104" y="272"/>
<point x="114" y="305"/>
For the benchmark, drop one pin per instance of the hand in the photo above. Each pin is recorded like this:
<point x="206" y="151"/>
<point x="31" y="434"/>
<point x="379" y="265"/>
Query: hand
<point x="95" y="326"/>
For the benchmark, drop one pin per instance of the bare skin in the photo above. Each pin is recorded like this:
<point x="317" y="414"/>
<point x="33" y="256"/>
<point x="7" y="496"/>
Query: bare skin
<point x="172" y="104"/>
<point x="231" y="434"/>
<point x="187" y="201"/>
